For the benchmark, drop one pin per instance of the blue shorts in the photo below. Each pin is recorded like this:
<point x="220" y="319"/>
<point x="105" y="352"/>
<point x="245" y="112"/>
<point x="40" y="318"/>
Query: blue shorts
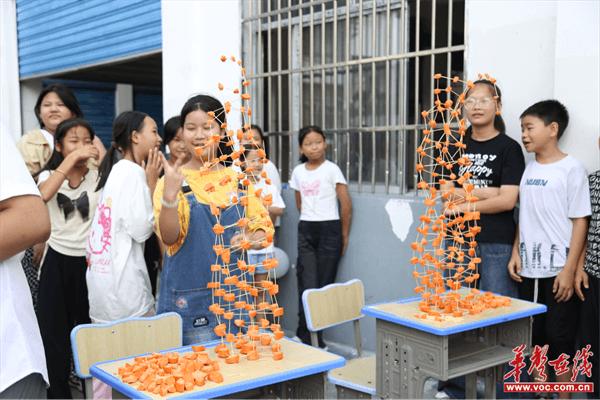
<point x="257" y="259"/>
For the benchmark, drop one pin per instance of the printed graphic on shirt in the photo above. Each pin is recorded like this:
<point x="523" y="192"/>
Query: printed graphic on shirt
<point x="100" y="238"/>
<point x="68" y="206"/>
<point x="481" y="168"/>
<point x="536" y="182"/>
<point x="310" y="188"/>
<point x="532" y="257"/>
<point x="200" y="321"/>
<point x="592" y="256"/>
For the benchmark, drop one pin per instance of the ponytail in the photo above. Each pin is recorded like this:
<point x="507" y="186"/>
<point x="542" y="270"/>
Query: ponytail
<point x="53" y="162"/>
<point x="499" y="124"/>
<point x="113" y="155"/>
<point x="123" y="128"/>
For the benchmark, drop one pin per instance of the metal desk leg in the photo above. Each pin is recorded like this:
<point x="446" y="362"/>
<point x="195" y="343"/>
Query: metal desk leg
<point x="471" y="386"/>
<point x="491" y="378"/>
<point x="418" y="385"/>
<point x="412" y="377"/>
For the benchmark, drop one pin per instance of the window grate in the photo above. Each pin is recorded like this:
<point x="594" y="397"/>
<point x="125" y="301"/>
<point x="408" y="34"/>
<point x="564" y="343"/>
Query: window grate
<point x="361" y="69"/>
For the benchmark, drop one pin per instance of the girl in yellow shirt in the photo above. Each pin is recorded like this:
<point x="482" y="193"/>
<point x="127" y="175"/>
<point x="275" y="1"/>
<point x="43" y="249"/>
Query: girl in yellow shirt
<point x="191" y="202"/>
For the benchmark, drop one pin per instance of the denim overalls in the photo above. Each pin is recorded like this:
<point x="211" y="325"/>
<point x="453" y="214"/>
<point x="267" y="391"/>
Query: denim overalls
<point x="185" y="274"/>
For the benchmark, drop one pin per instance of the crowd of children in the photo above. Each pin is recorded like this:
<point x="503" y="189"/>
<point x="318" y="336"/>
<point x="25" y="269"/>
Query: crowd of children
<point x="104" y="205"/>
<point x="543" y="258"/>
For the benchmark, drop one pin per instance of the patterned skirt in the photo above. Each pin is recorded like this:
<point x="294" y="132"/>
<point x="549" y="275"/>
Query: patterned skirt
<point x="31" y="272"/>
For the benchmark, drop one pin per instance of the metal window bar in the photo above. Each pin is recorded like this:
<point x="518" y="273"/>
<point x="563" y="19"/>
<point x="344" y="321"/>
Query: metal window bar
<point x="356" y="27"/>
<point x="334" y="81"/>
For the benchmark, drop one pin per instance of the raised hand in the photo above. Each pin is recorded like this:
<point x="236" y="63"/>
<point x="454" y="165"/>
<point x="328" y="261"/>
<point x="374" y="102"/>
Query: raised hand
<point x="84" y="153"/>
<point x="173" y="178"/>
<point x="153" y="167"/>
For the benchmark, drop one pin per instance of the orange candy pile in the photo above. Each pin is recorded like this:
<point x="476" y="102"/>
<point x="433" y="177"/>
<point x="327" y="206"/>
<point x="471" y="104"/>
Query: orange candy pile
<point x="164" y="374"/>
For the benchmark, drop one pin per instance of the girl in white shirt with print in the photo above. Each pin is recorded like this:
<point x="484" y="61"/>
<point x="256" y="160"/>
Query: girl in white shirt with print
<point x="117" y="277"/>
<point x="68" y="186"/>
<point x="323" y="231"/>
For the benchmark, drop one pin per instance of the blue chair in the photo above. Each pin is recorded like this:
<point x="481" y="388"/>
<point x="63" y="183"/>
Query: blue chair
<point x="92" y="343"/>
<point x="333" y="305"/>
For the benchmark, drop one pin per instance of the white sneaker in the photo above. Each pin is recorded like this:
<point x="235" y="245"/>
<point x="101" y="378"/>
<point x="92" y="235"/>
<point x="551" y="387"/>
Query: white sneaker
<point x="441" y="395"/>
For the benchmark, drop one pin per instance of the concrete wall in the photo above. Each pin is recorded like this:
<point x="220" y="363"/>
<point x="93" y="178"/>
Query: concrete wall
<point x="30" y="90"/>
<point x="378" y="254"/>
<point x="540" y="50"/>
<point x="195" y="34"/>
<point x="577" y="76"/>
<point x="123" y="98"/>
<point x="10" y="124"/>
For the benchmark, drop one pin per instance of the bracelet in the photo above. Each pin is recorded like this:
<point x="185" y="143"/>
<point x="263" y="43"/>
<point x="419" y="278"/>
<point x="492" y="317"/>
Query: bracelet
<point x="61" y="172"/>
<point x="171" y="204"/>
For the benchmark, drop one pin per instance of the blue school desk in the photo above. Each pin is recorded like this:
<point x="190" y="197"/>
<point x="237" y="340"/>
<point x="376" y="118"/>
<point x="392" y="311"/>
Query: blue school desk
<point x="301" y="374"/>
<point x="410" y="350"/>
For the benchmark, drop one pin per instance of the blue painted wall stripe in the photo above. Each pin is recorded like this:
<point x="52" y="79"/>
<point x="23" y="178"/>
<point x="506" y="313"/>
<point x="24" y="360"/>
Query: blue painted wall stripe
<point x="58" y="35"/>
<point x="149" y="100"/>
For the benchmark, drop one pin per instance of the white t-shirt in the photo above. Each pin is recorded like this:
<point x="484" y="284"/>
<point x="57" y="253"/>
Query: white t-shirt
<point x="49" y="138"/>
<point x="550" y="194"/>
<point x="21" y="348"/>
<point x="317" y="187"/>
<point x="277" y="202"/>
<point x="117" y="277"/>
<point x="273" y="175"/>
<point x="69" y="233"/>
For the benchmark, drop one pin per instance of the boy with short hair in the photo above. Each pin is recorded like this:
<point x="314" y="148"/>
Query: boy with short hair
<point x="554" y="206"/>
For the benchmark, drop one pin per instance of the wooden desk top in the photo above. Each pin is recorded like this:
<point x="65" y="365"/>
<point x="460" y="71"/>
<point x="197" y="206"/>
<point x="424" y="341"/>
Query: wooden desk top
<point x="402" y="312"/>
<point x="298" y="360"/>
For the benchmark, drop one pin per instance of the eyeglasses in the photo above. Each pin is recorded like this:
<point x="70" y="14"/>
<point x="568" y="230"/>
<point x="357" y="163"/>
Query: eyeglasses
<point x="483" y="102"/>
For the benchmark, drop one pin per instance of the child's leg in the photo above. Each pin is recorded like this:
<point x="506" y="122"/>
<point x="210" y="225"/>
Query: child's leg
<point x="78" y="306"/>
<point x="78" y="309"/>
<point x="260" y="275"/>
<point x="54" y="324"/>
<point x="262" y="296"/>
<point x="590" y="330"/>
<point x="561" y="328"/>
<point x="306" y="271"/>
<point x="528" y="292"/>
<point x="329" y="251"/>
